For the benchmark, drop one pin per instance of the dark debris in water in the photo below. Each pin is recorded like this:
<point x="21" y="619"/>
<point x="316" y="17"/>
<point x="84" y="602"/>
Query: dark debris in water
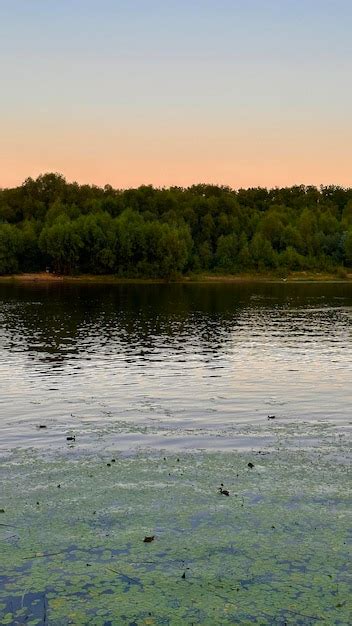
<point x="224" y="492"/>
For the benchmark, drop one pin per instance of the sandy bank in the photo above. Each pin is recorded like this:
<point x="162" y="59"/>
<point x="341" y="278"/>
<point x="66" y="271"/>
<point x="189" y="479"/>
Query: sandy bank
<point x="293" y="277"/>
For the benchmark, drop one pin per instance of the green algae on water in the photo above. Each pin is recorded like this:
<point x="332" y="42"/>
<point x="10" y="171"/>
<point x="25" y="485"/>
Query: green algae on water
<point x="275" y="551"/>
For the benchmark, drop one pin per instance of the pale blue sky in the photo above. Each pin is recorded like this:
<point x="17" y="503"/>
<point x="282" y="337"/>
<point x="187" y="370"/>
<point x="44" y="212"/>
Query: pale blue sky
<point x="238" y="92"/>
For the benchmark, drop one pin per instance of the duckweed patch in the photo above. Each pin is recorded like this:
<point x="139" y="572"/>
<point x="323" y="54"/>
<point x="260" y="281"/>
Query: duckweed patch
<point x="276" y="551"/>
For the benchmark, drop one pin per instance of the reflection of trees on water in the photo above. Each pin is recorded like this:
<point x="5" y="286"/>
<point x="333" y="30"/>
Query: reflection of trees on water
<point x="53" y="323"/>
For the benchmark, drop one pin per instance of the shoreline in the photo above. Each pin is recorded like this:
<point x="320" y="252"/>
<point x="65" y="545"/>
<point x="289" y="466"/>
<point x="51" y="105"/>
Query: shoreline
<point x="293" y="277"/>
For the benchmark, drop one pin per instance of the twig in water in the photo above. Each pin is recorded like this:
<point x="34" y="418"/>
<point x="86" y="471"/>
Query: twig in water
<point x="132" y="580"/>
<point x="10" y="537"/>
<point x="303" y="614"/>
<point x="41" y="556"/>
<point x="44" y="613"/>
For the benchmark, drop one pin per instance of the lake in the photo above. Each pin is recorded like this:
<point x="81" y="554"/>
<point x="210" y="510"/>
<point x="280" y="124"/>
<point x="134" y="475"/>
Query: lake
<point x="196" y="366"/>
<point x="212" y="420"/>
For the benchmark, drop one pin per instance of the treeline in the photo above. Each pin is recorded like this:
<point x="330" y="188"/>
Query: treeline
<point x="150" y="232"/>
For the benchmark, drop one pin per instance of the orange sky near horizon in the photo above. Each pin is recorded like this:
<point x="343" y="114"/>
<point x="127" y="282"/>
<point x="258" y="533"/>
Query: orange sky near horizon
<point x="248" y="158"/>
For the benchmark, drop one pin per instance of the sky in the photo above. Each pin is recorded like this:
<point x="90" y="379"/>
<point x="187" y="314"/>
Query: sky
<point x="237" y="92"/>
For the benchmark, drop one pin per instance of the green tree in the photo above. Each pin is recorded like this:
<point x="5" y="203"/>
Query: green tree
<point x="30" y="258"/>
<point x="227" y="252"/>
<point x="97" y="232"/>
<point x="162" y="232"/>
<point x="10" y="248"/>
<point x="169" y="249"/>
<point x="262" y="252"/>
<point x="271" y="228"/>
<point x="348" y="248"/>
<point x="291" y="259"/>
<point x="61" y="243"/>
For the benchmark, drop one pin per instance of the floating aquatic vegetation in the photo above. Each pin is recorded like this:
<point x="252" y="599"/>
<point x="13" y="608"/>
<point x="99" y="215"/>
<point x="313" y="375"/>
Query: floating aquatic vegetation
<point x="276" y="551"/>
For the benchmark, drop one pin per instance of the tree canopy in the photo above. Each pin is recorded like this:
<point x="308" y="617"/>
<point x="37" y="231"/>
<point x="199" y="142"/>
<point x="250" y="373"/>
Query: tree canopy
<point x="150" y="232"/>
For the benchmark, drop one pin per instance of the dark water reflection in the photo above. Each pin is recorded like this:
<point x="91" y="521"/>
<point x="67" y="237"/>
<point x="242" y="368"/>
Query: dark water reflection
<point x="162" y="360"/>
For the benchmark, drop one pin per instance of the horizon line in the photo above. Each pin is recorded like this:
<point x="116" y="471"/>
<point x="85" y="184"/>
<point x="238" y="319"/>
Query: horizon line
<point x="223" y="186"/>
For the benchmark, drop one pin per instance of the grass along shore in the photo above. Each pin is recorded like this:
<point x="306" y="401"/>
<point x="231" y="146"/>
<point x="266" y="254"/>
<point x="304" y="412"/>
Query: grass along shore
<point x="45" y="277"/>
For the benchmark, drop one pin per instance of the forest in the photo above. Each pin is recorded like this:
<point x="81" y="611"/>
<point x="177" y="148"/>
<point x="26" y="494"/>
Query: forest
<point x="169" y="232"/>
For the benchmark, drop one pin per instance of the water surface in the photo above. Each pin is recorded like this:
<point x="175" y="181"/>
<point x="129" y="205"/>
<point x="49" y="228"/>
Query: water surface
<point x="171" y="370"/>
<point x="182" y="366"/>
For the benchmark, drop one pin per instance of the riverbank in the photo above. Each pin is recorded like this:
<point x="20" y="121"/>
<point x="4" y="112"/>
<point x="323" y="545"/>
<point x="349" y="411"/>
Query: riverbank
<point x="292" y="277"/>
